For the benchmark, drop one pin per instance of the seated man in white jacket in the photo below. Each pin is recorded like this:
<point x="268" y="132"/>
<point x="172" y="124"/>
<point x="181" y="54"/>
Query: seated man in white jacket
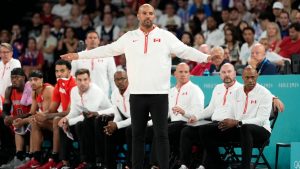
<point x="87" y="102"/>
<point x="185" y="100"/>
<point x="118" y="129"/>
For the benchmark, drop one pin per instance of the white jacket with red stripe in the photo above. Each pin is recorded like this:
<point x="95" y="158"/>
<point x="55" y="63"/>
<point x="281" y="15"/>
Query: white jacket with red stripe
<point x="219" y="103"/>
<point x="148" y="58"/>
<point x="189" y="97"/>
<point x="254" y="107"/>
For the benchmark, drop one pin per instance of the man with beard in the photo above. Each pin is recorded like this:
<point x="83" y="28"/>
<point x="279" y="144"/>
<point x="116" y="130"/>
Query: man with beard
<point x="60" y="96"/>
<point x="147" y="51"/>
<point x="14" y="109"/>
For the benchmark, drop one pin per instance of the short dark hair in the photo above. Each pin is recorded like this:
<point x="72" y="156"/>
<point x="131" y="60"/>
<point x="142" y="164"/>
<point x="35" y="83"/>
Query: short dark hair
<point x="249" y="28"/>
<point x="18" y="71"/>
<point x="92" y="31"/>
<point x="81" y="72"/>
<point x="233" y="9"/>
<point x="64" y="62"/>
<point x="264" y="16"/>
<point x="36" y="73"/>
<point x="296" y="26"/>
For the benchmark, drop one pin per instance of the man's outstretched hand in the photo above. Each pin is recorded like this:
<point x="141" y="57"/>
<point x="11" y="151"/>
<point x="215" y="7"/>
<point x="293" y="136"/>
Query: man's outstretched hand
<point x="70" y="56"/>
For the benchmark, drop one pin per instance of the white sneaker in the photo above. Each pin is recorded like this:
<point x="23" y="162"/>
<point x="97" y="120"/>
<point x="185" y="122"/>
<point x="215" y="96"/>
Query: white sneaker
<point x="22" y="162"/>
<point x="12" y="164"/>
<point x="183" y="167"/>
<point x="201" y="167"/>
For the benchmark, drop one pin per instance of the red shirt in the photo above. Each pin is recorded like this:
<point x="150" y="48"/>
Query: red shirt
<point x="62" y="91"/>
<point x="288" y="48"/>
<point x="18" y="109"/>
<point x="39" y="98"/>
<point x="200" y="68"/>
<point x="1" y="105"/>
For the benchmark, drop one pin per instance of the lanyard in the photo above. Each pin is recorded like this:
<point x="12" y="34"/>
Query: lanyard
<point x="262" y="65"/>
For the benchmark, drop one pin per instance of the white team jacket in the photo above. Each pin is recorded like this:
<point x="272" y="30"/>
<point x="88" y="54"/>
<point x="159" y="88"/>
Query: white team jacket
<point x="93" y="100"/>
<point x="253" y="108"/>
<point x="189" y="97"/>
<point x="148" y="58"/>
<point x="218" y="105"/>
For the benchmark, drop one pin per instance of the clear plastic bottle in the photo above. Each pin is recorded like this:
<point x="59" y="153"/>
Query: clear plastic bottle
<point x="206" y="72"/>
<point x="119" y="165"/>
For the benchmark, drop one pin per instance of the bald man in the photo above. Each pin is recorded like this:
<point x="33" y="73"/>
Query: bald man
<point x="259" y="61"/>
<point x="147" y="51"/>
<point x="186" y="99"/>
<point x="218" y="59"/>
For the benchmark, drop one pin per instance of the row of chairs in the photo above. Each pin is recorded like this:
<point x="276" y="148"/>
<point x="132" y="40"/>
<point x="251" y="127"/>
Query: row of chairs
<point x="293" y="67"/>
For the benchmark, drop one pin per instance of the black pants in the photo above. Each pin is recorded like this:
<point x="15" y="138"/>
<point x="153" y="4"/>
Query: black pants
<point x="92" y="139"/>
<point x="6" y="136"/>
<point x="118" y="138"/>
<point x="148" y="140"/>
<point x="188" y="138"/>
<point x="174" y="129"/>
<point x="66" y="144"/>
<point x="248" y="134"/>
<point x="140" y="107"/>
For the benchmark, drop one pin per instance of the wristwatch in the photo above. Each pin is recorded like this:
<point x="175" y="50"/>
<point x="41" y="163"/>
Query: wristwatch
<point x="240" y="123"/>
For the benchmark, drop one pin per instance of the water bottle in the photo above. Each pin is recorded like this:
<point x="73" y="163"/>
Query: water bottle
<point x="206" y="72"/>
<point x="119" y="165"/>
<point x="81" y="46"/>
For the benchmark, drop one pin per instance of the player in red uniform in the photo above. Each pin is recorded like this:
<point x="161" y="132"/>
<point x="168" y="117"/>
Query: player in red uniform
<point x="60" y="97"/>
<point x="41" y="99"/>
<point x="14" y="110"/>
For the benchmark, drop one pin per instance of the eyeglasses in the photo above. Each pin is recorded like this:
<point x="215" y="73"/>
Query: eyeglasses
<point x="5" y="52"/>
<point x="120" y="79"/>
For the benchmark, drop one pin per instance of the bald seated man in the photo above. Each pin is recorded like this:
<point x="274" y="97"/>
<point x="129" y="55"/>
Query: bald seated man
<point x="259" y="61"/>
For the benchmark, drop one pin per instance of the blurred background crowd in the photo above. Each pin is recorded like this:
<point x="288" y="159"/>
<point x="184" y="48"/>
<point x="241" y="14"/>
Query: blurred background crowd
<point x="40" y="31"/>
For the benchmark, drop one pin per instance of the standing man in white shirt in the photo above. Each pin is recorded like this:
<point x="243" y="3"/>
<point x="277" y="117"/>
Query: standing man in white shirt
<point x="7" y="64"/>
<point x="148" y="54"/>
<point x="101" y="69"/>
<point x="87" y="102"/>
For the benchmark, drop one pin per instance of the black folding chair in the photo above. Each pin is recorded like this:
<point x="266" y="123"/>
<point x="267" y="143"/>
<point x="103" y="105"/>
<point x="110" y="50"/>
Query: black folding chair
<point x="295" y="63"/>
